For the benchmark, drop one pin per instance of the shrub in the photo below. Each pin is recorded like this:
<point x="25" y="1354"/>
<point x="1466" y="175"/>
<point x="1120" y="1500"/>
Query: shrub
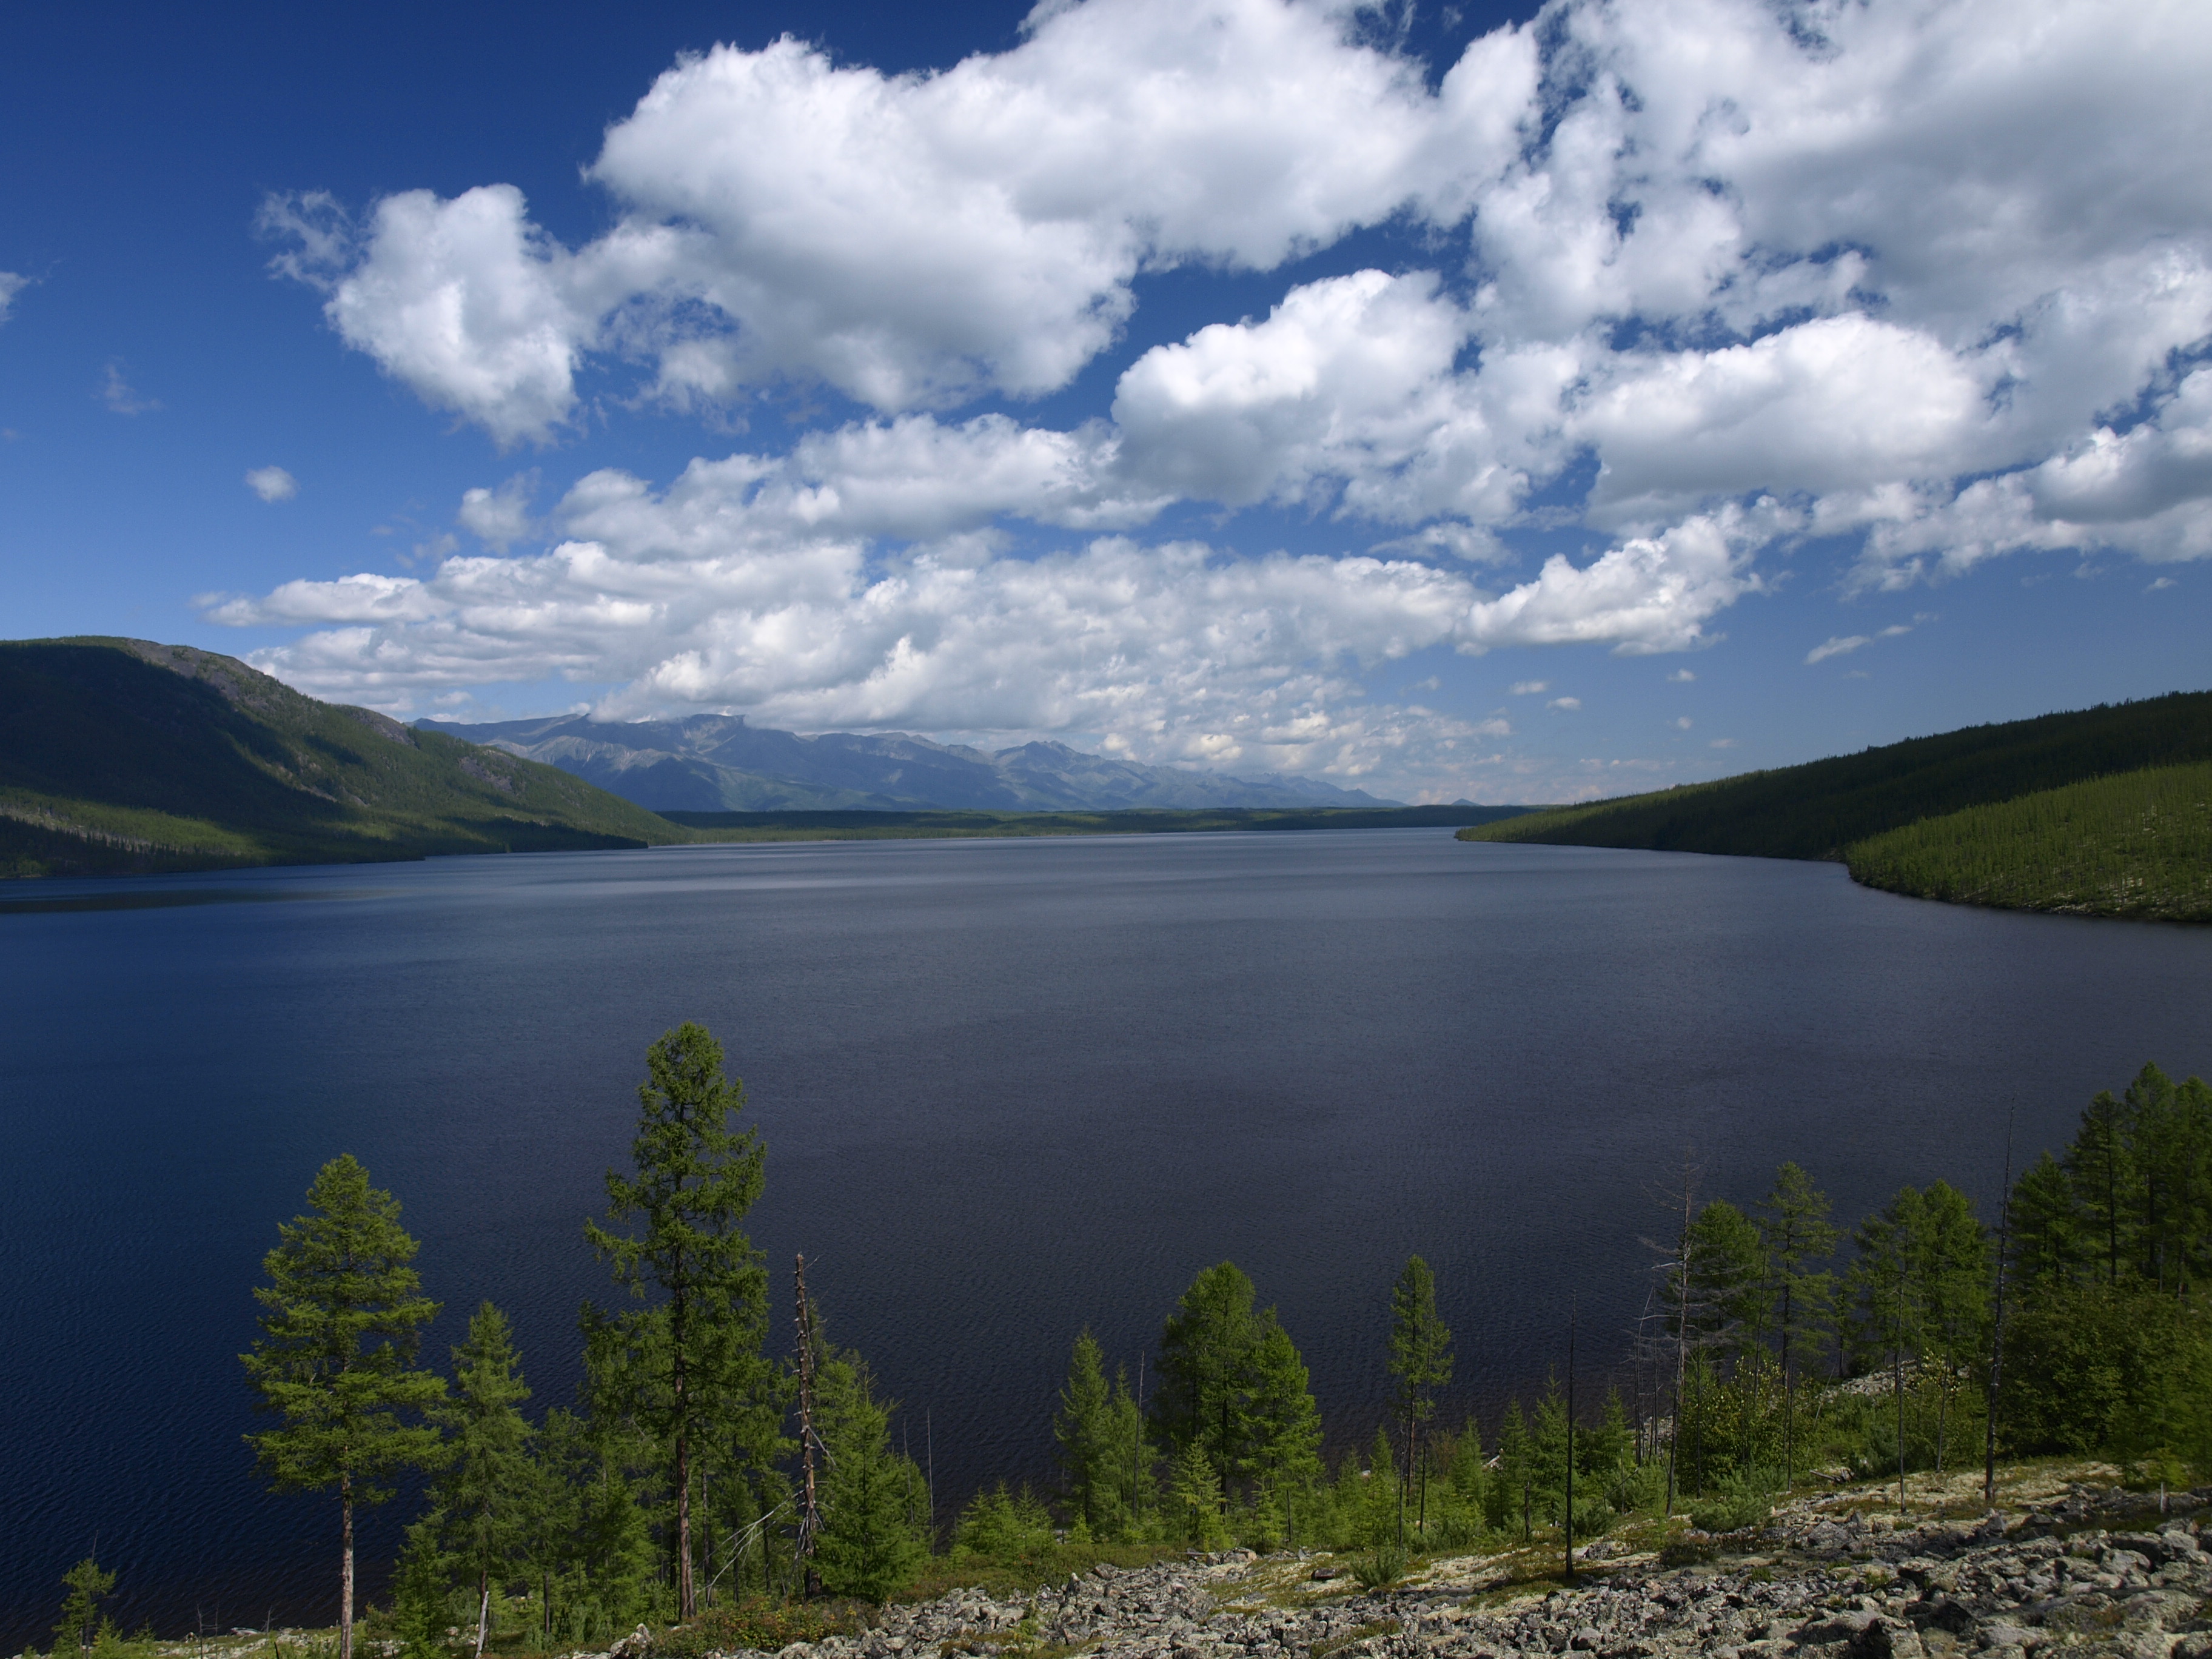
<point x="1380" y="1567"/>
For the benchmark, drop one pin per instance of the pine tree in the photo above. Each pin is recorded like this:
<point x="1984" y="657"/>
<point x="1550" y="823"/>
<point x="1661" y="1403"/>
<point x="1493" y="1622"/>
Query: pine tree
<point x="1421" y="1361"/>
<point x="1794" y="1229"/>
<point x="1951" y="1273"/>
<point x="344" y="1313"/>
<point x="1195" y="1494"/>
<point x="485" y="1492"/>
<point x="82" y="1625"/>
<point x="2049" y="1245"/>
<point x="1727" y="1278"/>
<point x="2103" y="1175"/>
<point x="696" y="1353"/>
<point x="1090" y="1459"/>
<point x="545" y="1540"/>
<point x="868" y="1547"/>
<point x="1889" y="1314"/>
<point x="1517" y="1470"/>
<point x="1469" y="1474"/>
<point x="1205" y="1348"/>
<point x="1285" y="1423"/>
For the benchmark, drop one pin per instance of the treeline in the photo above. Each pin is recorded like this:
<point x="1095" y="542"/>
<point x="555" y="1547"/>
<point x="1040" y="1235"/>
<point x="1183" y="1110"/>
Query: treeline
<point x="1817" y="810"/>
<point x="699" y="1481"/>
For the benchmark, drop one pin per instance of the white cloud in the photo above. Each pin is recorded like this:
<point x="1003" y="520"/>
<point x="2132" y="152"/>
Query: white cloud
<point x="1933" y="274"/>
<point x="117" y="394"/>
<point x="272" y="484"/>
<point x="1681" y="677"/>
<point x="1529" y="688"/>
<point x="1682" y="722"/>
<point x="499" y="518"/>
<point x="1569" y="704"/>
<point x="1836" y="646"/>
<point x="11" y="284"/>
<point x="913" y="239"/>
<point x="1722" y="742"/>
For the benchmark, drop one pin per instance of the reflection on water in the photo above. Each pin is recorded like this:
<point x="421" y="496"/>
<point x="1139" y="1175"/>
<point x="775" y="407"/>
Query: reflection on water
<point x="1008" y="1089"/>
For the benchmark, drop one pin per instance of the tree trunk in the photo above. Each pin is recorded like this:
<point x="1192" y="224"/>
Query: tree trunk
<point x="483" y="1611"/>
<point x="345" y="1568"/>
<point x="1897" y="1387"/>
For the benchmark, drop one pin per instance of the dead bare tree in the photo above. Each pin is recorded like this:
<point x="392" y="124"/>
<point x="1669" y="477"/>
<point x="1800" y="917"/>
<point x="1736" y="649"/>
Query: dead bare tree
<point x="810" y="1516"/>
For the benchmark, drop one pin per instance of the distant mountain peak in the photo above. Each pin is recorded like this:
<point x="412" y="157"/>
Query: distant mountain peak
<point x="721" y="763"/>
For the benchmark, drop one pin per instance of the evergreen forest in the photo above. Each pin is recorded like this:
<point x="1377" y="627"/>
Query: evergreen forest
<point x="2101" y="811"/>
<point x="726" y="1496"/>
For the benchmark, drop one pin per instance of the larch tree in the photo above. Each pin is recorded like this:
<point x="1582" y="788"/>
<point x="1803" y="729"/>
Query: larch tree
<point x="697" y="1351"/>
<point x="1420" y="1363"/>
<point x="341" y="1319"/>
<point x="870" y="1545"/>
<point x="1091" y="1459"/>
<point x="487" y="1491"/>
<point x="1285" y="1456"/>
<point x="1205" y="1347"/>
<point x="1794" y="1226"/>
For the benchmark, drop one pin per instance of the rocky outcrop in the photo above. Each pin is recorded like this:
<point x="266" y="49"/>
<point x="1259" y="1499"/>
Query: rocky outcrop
<point x="1813" y="1586"/>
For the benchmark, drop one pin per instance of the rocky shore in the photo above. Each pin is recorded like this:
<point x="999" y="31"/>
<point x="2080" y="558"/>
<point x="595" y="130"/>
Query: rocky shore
<point x="2084" y="1571"/>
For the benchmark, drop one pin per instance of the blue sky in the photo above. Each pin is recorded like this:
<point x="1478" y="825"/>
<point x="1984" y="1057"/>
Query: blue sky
<point x="1495" y="403"/>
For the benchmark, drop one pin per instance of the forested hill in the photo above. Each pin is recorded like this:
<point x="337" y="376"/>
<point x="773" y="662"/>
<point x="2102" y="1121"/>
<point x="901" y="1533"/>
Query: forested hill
<point x="120" y="756"/>
<point x="1818" y="809"/>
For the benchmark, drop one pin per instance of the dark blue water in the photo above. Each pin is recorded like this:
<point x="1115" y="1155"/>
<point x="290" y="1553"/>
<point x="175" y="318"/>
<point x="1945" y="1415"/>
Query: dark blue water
<point x="1008" y="1088"/>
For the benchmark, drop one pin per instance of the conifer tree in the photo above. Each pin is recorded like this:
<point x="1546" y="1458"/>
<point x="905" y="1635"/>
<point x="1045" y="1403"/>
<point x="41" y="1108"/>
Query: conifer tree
<point x="1469" y="1473"/>
<point x="1794" y="1229"/>
<point x="82" y="1625"/>
<point x="2048" y="1242"/>
<point x="343" y="1316"/>
<point x="1286" y="1451"/>
<point x="1951" y="1273"/>
<point x="1205" y="1348"/>
<point x="698" y="1350"/>
<point x="1421" y="1363"/>
<point x="1517" y="1469"/>
<point x="485" y="1492"/>
<point x="1727" y="1277"/>
<point x="1090" y="1459"/>
<point x="868" y="1547"/>
<point x="1195" y="1493"/>
<point x="2099" y="1164"/>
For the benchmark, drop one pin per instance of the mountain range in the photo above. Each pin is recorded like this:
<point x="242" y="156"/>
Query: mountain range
<point x="718" y="763"/>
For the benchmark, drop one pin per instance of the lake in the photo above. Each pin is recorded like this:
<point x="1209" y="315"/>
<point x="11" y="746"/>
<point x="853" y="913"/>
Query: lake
<point x="1008" y="1088"/>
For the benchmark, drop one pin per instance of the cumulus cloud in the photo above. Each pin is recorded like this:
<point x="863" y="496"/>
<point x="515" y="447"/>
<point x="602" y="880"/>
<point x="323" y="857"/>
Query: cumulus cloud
<point x="499" y="518"/>
<point x="1705" y="278"/>
<point x="11" y="284"/>
<point x="736" y="588"/>
<point x="1529" y="688"/>
<point x="1568" y="704"/>
<point x="272" y="484"/>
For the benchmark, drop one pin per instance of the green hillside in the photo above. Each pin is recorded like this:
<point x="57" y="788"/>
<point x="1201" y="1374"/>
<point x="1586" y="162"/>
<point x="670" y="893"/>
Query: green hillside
<point x="121" y="756"/>
<point x="1817" y="810"/>
<point x="2139" y="845"/>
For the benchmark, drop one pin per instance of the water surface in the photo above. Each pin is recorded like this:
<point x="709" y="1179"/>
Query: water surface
<point x="1008" y="1089"/>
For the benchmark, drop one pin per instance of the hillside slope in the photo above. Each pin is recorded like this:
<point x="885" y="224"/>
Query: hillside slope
<point x="2138" y="845"/>
<point x="1817" y="810"/>
<point x="121" y="756"/>
<point x="720" y="763"/>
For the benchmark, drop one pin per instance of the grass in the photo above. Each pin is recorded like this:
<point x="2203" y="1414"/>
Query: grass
<point x="2138" y="845"/>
